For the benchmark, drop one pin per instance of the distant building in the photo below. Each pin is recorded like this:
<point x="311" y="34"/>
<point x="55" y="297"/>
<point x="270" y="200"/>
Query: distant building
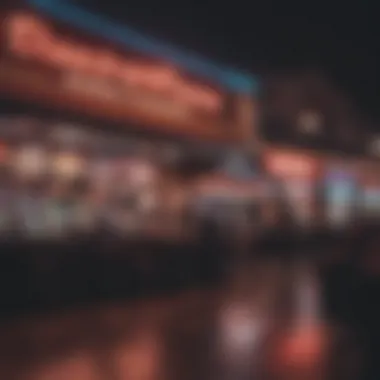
<point x="306" y="109"/>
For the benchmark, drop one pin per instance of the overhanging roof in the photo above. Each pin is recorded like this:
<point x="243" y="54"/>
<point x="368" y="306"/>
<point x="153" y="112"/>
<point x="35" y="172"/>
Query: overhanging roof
<point x="99" y="25"/>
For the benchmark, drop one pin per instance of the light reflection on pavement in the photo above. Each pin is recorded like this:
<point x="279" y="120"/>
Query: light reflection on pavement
<point x="205" y="334"/>
<point x="150" y="340"/>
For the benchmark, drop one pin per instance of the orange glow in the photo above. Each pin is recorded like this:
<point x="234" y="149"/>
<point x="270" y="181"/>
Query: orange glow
<point x="303" y="348"/>
<point x="31" y="38"/>
<point x="288" y="164"/>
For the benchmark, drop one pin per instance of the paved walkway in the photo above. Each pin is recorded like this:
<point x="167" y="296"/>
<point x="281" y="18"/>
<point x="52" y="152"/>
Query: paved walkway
<point x="198" y="335"/>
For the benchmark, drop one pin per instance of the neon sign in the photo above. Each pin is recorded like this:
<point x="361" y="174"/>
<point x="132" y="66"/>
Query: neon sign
<point x="96" y="24"/>
<point x="238" y="167"/>
<point x="290" y="165"/>
<point x="33" y="39"/>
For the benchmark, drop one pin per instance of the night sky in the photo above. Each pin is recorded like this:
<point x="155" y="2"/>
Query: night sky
<point x="339" y="38"/>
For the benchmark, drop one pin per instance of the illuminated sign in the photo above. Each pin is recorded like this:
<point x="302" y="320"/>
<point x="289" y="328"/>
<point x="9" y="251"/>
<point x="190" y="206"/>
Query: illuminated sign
<point x="33" y="39"/>
<point x="96" y="24"/>
<point x="287" y="164"/>
<point x="105" y="90"/>
<point x="60" y="90"/>
<point x="43" y="64"/>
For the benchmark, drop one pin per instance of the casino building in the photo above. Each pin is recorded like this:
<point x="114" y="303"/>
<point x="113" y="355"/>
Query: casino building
<point x="317" y="142"/>
<point x="99" y="123"/>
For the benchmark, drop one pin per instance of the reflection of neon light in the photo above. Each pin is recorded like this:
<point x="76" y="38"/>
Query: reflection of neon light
<point x="242" y="330"/>
<point x="102" y="27"/>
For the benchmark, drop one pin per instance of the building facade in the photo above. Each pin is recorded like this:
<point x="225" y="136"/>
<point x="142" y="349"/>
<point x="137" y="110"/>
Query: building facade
<point x="306" y="109"/>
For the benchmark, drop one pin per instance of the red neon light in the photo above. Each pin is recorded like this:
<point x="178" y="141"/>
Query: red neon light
<point x="31" y="38"/>
<point x="285" y="164"/>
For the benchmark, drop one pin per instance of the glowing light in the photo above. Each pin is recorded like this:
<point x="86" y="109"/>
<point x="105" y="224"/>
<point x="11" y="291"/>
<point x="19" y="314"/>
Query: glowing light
<point x="31" y="38"/>
<point x="241" y="328"/>
<point x="303" y="348"/>
<point x="284" y="164"/>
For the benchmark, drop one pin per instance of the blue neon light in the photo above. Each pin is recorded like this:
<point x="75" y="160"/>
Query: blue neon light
<point x="102" y="27"/>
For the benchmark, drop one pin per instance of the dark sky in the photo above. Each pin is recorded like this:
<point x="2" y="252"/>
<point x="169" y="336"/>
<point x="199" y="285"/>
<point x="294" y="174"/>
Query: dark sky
<point x="339" y="38"/>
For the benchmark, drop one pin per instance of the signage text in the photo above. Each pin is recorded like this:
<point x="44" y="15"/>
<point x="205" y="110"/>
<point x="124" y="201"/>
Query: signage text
<point x="33" y="39"/>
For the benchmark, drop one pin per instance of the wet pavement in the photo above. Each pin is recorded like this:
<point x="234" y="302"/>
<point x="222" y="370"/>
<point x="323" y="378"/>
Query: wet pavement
<point x="201" y="334"/>
<point x="157" y="339"/>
